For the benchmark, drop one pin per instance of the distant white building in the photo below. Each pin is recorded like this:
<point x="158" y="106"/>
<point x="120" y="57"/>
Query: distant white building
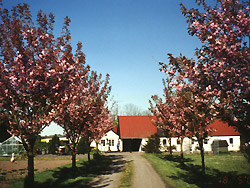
<point x="108" y="142"/>
<point x="223" y="132"/>
<point x="48" y="138"/>
<point x="133" y="133"/>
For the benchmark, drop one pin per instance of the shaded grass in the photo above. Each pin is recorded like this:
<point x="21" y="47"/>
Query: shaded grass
<point x="224" y="170"/>
<point x="126" y="176"/>
<point x="65" y="176"/>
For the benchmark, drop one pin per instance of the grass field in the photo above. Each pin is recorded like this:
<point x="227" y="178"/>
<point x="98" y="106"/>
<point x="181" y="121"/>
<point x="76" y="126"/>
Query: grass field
<point x="223" y="170"/>
<point x="65" y="176"/>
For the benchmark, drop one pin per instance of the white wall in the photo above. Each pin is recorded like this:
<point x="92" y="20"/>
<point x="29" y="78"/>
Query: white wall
<point x="113" y="137"/>
<point x="188" y="144"/>
<point x="143" y="142"/>
<point x="191" y="146"/>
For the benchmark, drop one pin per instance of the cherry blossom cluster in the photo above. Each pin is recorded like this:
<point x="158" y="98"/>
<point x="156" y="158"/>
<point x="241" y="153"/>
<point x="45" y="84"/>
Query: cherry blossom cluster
<point x="42" y="80"/>
<point x="223" y="65"/>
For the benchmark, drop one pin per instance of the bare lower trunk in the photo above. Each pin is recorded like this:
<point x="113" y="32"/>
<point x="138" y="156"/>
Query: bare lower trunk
<point x="170" y="147"/>
<point x="29" y="147"/>
<point x="73" y="160"/>
<point x="30" y="178"/>
<point x="182" y="156"/>
<point x="88" y="145"/>
<point x="73" y="154"/>
<point x="200" y="141"/>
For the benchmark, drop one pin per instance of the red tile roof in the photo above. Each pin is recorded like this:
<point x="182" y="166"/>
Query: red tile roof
<point x="223" y="129"/>
<point x="136" y="126"/>
<point x="115" y="129"/>
<point x="142" y="127"/>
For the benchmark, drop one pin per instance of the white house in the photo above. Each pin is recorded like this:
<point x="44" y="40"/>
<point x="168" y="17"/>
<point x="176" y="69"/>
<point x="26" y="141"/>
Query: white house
<point x="133" y="133"/>
<point x="222" y="132"/>
<point x="108" y="142"/>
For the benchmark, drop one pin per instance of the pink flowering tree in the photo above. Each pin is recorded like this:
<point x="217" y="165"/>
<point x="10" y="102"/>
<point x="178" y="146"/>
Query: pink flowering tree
<point x="32" y="72"/>
<point x="100" y="120"/>
<point x="71" y="112"/>
<point x="181" y="117"/>
<point x="222" y="69"/>
<point x="81" y="111"/>
<point x="199" y="115"/>
<point x="170" y="115"/>
<point x="195" y="110"/>
<point x="162" y="121"/>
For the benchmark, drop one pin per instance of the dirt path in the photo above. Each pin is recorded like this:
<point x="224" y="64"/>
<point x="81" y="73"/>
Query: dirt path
<point x="144" y="174"/>
<point x="110" y="179"/>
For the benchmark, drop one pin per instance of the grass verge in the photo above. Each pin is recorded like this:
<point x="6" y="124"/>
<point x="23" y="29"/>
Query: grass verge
<point x="126" y="176"/>
<point x="65" y="176"/>
<point x="223" y="170"/>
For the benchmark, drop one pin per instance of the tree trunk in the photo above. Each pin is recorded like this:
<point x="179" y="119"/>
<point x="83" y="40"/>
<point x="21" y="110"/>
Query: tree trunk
<point x="73" y="160"/>
<point x="200" y="141"/>
<point x="30" y="178"/>
<point x="170" y="147"/>
<point x="182" y="156"/>
<point x="29" y="147"/>
<point x="88" y="144"/>
<point x="73" y="153"/>
<point x="96" y="146"/>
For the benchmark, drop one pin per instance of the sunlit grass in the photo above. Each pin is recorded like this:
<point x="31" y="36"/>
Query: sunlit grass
<point x="230" y="170"/>
<point x="126" y="176"/>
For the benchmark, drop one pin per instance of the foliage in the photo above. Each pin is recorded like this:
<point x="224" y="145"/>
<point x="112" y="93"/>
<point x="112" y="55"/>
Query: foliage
<point x="40" y="145"/>
<point x="82" y="146"/>
<point x="223" y="67"/>
<point x="4" y="135"/>
<point x="33" y="70"/>
<point x="53" y="145"/>
<point x="83" y="112"/>
<point x="217" y="83"/>
<point x="224" y="170"/>
<point x="153" y="144"/>
<point x="246" y="150"/>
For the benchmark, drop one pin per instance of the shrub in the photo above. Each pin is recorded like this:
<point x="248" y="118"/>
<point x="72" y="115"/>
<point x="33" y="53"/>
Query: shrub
<point x="54" y="143"/>
<point x="82" y="146"/>
<point x="153" y="144"/>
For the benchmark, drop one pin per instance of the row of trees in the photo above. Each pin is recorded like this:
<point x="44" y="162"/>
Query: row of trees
<point x="42" y="80"/>
<point x="217" y="84"/>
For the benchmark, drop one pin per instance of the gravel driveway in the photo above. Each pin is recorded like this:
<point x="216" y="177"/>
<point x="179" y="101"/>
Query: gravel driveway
<point x="144" y="174"/>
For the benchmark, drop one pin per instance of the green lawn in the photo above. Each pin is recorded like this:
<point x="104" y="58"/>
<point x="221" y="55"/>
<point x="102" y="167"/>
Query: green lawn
<point x="65" y="176"/>
<point x="223" y="170"/>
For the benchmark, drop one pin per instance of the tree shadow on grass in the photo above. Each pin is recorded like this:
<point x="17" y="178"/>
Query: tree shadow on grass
<point x="81" y="176"/>
<point x="214" y="178"/>
<point x="177" y="158"/>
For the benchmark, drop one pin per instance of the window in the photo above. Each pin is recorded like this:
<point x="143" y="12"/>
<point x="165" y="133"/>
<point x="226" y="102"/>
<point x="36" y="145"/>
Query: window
<point x="103" y="142"/>
<point x="164" y="141"/>
<point x="178" y="141"/>
<point x="205" y="141"/>
<point x="111" y="142"/>
<point x="231" y="140"/>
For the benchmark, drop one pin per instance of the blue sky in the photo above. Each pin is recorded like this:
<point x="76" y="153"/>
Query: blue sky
<point x="125" y="38"/>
